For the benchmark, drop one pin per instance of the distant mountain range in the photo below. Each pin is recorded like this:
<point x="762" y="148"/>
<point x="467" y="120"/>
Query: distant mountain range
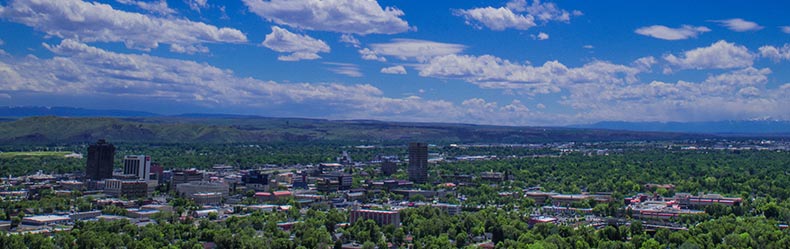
<point x="745" y="127"/>
<point x="32" y="111"/>
<point x="174" y="129"/>
<point x="58" y="125"/>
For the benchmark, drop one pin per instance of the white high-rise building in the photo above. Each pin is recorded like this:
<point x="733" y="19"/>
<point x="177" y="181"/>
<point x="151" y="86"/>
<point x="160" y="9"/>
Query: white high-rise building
<point x="138" y="165"/>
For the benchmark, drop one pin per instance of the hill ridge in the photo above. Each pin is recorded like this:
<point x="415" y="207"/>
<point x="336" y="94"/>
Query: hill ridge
<point x="174" y="129"/>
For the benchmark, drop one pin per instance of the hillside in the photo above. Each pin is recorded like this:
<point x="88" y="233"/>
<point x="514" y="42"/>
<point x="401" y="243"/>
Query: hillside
<point x="742" y="127"/>
<point x="243" y="129"/>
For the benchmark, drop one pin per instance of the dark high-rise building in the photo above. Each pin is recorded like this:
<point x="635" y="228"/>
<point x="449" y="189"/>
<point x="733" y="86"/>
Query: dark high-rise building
<point x="101" y="157"/>
<point x="388" y="167"/>
<point x="418" y="162"/>
<point x="256" y="177"/>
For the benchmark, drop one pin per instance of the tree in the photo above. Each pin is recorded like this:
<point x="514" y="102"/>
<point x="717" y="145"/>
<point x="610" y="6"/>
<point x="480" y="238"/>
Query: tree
<point x="213" y="216"/>
<point x="636" y="227"/>
<point x="651" y="244"/>
<point x="15" y="221"/>
<point x="369" y="245"/>
<point x="460" y="239"/>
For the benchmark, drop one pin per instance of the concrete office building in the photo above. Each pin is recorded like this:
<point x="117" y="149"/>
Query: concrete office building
<point x="137" y="165"/>
<point x="128" y="188"/>
<point x="185" y="176"/>
<point x="191" y="188"/>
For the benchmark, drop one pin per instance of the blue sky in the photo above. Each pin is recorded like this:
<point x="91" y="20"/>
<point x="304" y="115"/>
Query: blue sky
<point x="512" y="62"/>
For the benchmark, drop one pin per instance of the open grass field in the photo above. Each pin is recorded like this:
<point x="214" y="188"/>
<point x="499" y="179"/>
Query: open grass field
<point x="34" y="154"/>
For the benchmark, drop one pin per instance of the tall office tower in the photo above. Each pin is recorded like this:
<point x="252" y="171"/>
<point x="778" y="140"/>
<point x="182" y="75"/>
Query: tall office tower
<point x="418" y="162"/>
<point x="100" y="160"/>
<point x="137" y="165"/>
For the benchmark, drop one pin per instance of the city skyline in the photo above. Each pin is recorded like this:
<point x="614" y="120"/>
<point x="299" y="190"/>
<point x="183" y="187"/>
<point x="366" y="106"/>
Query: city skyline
<point x="494" y="62"/>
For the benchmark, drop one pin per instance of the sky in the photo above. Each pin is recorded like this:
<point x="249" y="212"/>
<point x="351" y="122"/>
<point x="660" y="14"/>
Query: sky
<point x="517" y="62"/>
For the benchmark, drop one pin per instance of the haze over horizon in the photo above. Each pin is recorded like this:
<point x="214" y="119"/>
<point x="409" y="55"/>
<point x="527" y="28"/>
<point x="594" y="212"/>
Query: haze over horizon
<point x="545" y="63"/>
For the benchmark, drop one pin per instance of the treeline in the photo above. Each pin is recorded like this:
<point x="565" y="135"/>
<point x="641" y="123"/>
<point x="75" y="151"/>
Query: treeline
<point x="737" y="173"/>
<point x="424" y="227"/>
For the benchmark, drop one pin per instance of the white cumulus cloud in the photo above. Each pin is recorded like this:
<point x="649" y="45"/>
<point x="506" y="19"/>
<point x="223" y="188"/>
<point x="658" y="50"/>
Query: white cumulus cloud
<point x="719" y="55"/>
<point x="159" y="7"/>
<point x="738" y="94"/>
<point x="371" y="55"/>
<point x="492" y="72"/>
<point x="543" y="36"/>
<point x="82" y="70"/>
<point x="739" y="25"/>
<point x="96" y="22"/>
<point x="516" y="14"/>
<point x="595" y="91"/>
<point x="92" y="22"/>
<point x="196" y="5"/>
<point x="785" y="29"/>
<point x="300" y="47"/>
<point x="188" y="49"/>
<point x="776" y="54"/>
<point x="343" y="16"/>
<point x="645" y="63"/>
<point x="497" y="18"/>
<point x="350" y="40"/>
<point x="667" y="33"/>
<point x="415" y="49"/>
<point x="394" y="70"/>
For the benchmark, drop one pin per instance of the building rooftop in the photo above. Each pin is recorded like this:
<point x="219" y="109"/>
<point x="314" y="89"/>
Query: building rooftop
<point x="47" y="218"/>
<point x="377" y="211"/>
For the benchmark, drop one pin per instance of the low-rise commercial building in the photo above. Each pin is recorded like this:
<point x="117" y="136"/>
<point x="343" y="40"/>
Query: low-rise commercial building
<point x="162" y="208"/>
<point x="273" y="196"/>
<point x="344" y="180"/>
<point x="179" y="177"/>
<point x="71" y="185"/>
<point x="141" y="213"/>
<point x="566" y="210"/>
<point x="43" y="220"/>
<point x="207" y="198"/>
<point x="191" y="188"/>
<point x="412" y="193"/>
<point x="540" y="197"/>
<point x="541" y="219"/>
<point x="568" y="200"/>
<point x="492" y="176"/>
<point x="659" y="210"/>
<point x="84" y="215"/>
<point x="391" y="184"/>
<point x="327" y="185"/>
<point x="381" y="217"/>
<point x="689" y="201"/>
<point x="204" y="213"/>
<point x="127" y="188"/>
